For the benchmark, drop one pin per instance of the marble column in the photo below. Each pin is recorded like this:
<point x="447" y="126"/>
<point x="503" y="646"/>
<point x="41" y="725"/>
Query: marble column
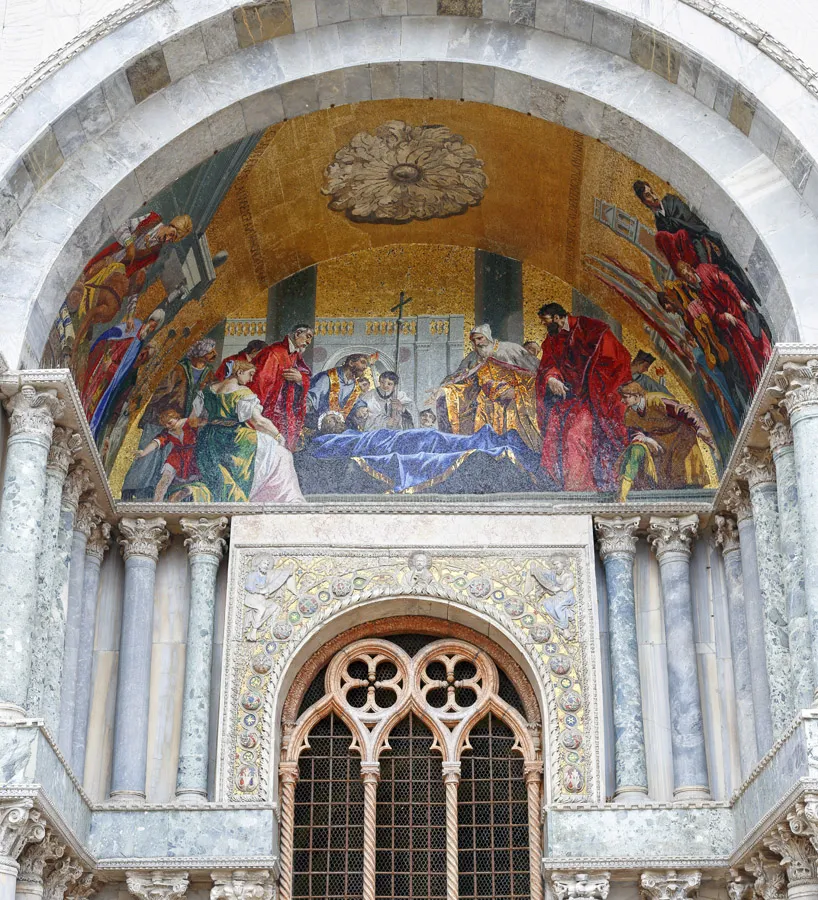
<point x="727" y="537"/>
<point x="40" y="703"/>
<point x="371" y="776"/>
<point x="32" y="864"/>
<point x="242" y="884"/>
<point x="587" y="885"/>
<point x="671" y="538"/>
<point x="792" y="559"/>
<point x="797" y="385"/>
<point x="756" y="466"/>
<point x="95" y="549"/>
<point x="88" y="516"/>
<point x="205" y="544"/>
<point x="533" y="785"/>
<point x="617" y="549"/>
<point x="288" y="778"/>
<point x="141" y="540"/>
<point x="157" y="885"/>
<point x="20" y="826"/>
<point x="799" y="858"/>
<point x="738" y="501"/>
<point x="670" y="885"/>
<point x="32" y="413"/>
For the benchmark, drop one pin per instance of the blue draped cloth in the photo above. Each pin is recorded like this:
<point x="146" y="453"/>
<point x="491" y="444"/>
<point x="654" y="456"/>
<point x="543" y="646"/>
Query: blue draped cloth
<point x="418" y="458"/>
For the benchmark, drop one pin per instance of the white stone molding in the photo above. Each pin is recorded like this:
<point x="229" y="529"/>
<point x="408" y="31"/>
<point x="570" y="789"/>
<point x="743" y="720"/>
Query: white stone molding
<point x="142" y="537"/>
<point x="157" y="885"/>
<point x="770" y="880"/>
<point x="796" y="385"/>
<point x="99" y="540"/>
<point x="581" y="885"/>
<point x="616" y="535"/>
<point x="670" y="885"/>
<point x="64" y="873"/>
<point x="726" y="533"/>
<point x="20" y="825"/>
<point x="37" y="856"/>
<point x="739" y="886"/>
<point x="65" y="444"/>
<point x="89" y="515"/>
<point x="77" y="482"/>
<point x="778" y="428"/>
<point x="672" y="534"/>
<point x="756" y="467"/>
<point x="242" y="884"/>
<point x="737" y="500"/>
<point x="32" y="412"/>
<point x="205" y="535"/>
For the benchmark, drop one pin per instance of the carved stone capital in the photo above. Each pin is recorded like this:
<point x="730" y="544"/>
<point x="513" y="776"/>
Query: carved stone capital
<point x="32" y="411"/>
<point x="451" y="772"/>
<point x="616" y="535"/>
<point x="288" y="772"/>
<point x="205" y="535"/>
<point x="770" y="882"/>
<point x="726" y="532"/>
<point x="532" y="770"/>
<point x="241" y="884"/>
<point x="738" y="502"/>
<point x="670" y="885"/>
<point x="672" y="534"/>
<point x="81" y="888"/>
<point x="89" y="515"/>
<point x="581" y="885"/>
<point x="99" y="540"/>
<point x="36" y="857"/>
<point x="64" y="873"/>
<point x="796" y="385"/>
<point x="64" y="445"/>
<point x="20" y="825"/>
<point x="779" y="431"/>
<point x="157" y="885"/>
<point x="803" y="820"/>
<point x="142" y="537"/>
<point x="77" y="483"/>
<point x="756" y="467"/>
<point x="798" y="856"/>
<point x="739" y="887"/>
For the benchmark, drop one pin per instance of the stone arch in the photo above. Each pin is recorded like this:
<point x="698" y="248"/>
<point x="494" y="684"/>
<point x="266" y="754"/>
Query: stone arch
<point x="740" y="190"/>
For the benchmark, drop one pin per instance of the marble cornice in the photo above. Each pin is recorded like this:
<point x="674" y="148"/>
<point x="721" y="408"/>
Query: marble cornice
<point x="189" y="863"/>
<point x="594" y="863"/>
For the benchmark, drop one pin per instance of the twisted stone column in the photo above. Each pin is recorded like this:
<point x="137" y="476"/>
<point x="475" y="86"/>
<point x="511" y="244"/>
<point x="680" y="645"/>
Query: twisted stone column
<point x="288" y="772"/>
<point x="32" y="413"/>
<point x="32" y="864"/>
<point x="141" y="540"/>
<point x="738" y="501"/>
<point x="727" y="537"/>
<point x="43" y="693"/>
<point x="205" y="545"/>
<point x="617" y="548"/>
<point x="533" y="784"/>
<point x="370" y="775"/>
<point x="88" y="516"/>
<point x="792" y="560"/>
<point x="451" y="779"/>
<point x="95" y="548"/>
<point x="20" y="825"/>
<point x="671" y="538"/>
<point x="756" y="467"/>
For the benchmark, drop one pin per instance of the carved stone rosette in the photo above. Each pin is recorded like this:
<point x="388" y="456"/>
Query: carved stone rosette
<point x="726" y="532"/>
<point x="77" y="482"/>
<point x="98" y="540"/>
<point x="142" y="537"/>
<point x="670" y="885"/>
<point x="64" y="445"/>
<point x="616" y="535"/>
<point x="756" y="467"/>
<point x="581" y="885"/>
<point x="205" y="535"/>
<point x="796" y="384"/>
<point x="32" y="413"/>
<point x="672" y="534"/>
<point x="779" y="431"/>
<point x="20" y="825"/>
<point x="242" y="884"/>
<point x="157" y="885"/>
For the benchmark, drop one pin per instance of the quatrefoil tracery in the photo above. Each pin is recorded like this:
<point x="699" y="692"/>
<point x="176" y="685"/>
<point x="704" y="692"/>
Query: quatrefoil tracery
<point x="373" y="684"/>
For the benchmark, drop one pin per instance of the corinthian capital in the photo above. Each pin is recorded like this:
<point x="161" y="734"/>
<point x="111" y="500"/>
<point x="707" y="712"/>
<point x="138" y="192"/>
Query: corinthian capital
<point x="142" y="537"/>
<point x="77" y="483"/>
<point x="739" y="887"/>
<point x="205" y="535"/>
<point x="241" y="885"/>
<point x="64" y="444"/>
<point x="738" y="502"/>
<point x="672" y="534"/>
<point x="33" y="411"/>
<point x="99" y="540"/>
<point x="581" y="885"/>
<point x="20" y="825"/>
<point x="35" y="857"/>
<point x="157" y="885"/>
<point x="89" y="515"/>
<point x="798" y="856"/>
<point x="65" y="873"/>
<point x="779" y="431"/>
<point x="726" y="532"/>
<point x="756" y="467"/>
<point x="796" y="385"/>
<point x="616" y="535"/>
<point x="670" y="885"/>
<point x="770" y="883"/>
<point x="803" y="821"/>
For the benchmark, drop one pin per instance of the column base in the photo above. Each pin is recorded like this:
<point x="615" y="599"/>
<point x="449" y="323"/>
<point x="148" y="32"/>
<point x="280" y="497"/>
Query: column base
<point x="635" y="794"/>
<point x="805" y="891"/>
<point x="11" y="714"/>
<point x="122" y="798"/>
<point x="694" y="792"/>
<point x="191" y="797"/>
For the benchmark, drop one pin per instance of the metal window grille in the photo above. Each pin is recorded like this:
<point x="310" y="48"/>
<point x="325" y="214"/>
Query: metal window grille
<point x="411" y="817"/>
<point x="493" y="841"/>
<point x="328" y="836"/>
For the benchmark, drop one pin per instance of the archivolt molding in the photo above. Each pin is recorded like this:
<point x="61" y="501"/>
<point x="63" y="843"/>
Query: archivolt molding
<point x="539" y="597"/>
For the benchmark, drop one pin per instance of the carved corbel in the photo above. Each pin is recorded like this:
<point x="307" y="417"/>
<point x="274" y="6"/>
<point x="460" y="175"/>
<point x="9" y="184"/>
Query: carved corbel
<point x="670" y="885"/>
<point x="770" y="882"/>
<point x="157" y="885"/>
<point x="581" y="885"/>
<point x="20" y="825"/>
<point x="739" y="886"/>
<point x="242" y="884"/>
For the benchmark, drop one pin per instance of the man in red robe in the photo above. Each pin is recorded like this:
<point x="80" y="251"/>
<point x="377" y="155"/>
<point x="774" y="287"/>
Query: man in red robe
<point x="249" y="354"/>
<point x="281" y="382"/>
<point x="579" y="410"/>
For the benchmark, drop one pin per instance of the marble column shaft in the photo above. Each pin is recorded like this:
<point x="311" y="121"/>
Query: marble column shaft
<point x="792" y="560"/>
<point x="32" y="415"/>
<point x="727" y="536"/>
<point x="617" y="548"/>
<point x="739" y="503"/>
<point x="88" y="515"/>
<point x="757" y="468"/>
<point x="94" y="553"/>
<point x="64" y="444"/>
<point x="205" y="547"/>
<point x="141" y="541"/>
<point x="671" y="538"/>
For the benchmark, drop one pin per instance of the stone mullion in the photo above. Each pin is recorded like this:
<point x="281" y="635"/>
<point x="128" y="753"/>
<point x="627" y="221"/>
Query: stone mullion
<point x="533" y="783"/>
<point x="451" y="779"/>
<point x="289" y="779"/>
<point x="370" y="775"/>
